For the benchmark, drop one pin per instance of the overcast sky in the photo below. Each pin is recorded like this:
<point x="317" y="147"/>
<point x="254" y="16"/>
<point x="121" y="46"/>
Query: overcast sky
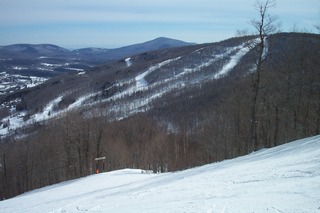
<point x="115" y="23"/>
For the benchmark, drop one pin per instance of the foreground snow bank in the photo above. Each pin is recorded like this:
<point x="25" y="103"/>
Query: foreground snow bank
<point x="281" y="179"/>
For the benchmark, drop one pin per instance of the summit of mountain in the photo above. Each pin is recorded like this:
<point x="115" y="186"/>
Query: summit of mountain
<point x="126" y="51"/>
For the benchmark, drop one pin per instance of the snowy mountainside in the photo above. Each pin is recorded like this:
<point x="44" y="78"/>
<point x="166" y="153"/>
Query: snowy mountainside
<point x="208" y="63"/>
<point x="144" y="82"/>
<point x="280" y="179"/>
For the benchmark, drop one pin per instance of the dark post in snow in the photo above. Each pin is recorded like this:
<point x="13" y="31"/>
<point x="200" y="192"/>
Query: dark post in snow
<point x="100" y="164"/>
<point x="3" y="173"/>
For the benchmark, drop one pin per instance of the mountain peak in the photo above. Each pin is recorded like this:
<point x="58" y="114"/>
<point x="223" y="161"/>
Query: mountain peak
<point x="35" y="48"/>
<point x="170" y="42"/>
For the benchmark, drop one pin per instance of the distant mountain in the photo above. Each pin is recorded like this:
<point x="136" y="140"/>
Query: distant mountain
<point x="28" y="59"/>
<point x="32" y="50"/>
<point x="118" y="53"/>
<point x="46" y="60"/>
<point x="156" y="44"/>
<point x="96" y="54"/>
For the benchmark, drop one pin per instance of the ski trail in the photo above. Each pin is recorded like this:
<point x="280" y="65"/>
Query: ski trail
<point x="232" y="63"/>
<point x="141" y="82"/>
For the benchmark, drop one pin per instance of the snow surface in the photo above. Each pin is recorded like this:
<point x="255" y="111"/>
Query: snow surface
<point x="46" y="113"/>
<point x="141" y="82"/>
<point x="282" y="179"/>
<point x="17" y="119"/>
<point x="128" y="62"/>
<point x="15" y="123"/>
<point x="232" y="63"/>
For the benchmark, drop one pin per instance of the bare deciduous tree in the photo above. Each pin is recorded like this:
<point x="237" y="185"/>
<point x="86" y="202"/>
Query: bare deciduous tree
<point x="264" y="26"/>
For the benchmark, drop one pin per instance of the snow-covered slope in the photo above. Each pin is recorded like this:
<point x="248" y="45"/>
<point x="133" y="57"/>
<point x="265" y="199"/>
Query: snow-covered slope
<point x="281" y="179"/>
<point x="139" y="92"/>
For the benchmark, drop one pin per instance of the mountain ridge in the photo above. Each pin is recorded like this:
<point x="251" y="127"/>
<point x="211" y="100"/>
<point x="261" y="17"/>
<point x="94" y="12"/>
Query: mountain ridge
<point x="157" y="43"/>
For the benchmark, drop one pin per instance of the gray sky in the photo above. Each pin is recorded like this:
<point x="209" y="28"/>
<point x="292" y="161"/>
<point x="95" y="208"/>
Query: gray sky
<point x="110" y="23"/>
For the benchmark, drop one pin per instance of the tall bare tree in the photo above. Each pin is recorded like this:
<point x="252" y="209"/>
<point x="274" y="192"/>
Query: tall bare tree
<point x="264" y="26"/>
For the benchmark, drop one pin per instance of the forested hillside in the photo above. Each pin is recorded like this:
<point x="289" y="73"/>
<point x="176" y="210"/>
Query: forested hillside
<point x="135" y="121"/>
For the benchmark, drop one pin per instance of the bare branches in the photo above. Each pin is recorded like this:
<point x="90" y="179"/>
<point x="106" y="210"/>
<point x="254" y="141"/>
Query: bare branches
<point x="317" y="26"/>
<point x="265" y="24"/>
